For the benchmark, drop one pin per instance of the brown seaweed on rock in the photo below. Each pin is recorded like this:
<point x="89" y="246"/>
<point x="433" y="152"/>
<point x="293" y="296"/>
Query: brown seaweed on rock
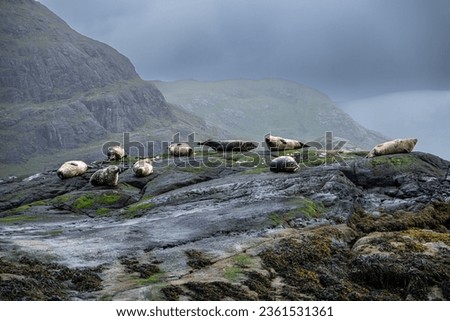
<point x="435" y="216"/>
<point x="29" y="279"/>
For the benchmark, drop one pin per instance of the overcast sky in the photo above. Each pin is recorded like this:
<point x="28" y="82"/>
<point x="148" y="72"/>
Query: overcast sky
<point x="345" y="48"/>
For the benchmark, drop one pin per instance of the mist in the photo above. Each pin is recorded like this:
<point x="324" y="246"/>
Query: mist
<point x="414" y="114"/>
<point x="348" y="49"/>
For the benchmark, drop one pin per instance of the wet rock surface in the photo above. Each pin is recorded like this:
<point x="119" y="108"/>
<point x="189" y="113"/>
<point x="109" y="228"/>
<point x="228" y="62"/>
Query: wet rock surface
<point x="218" y="227"/>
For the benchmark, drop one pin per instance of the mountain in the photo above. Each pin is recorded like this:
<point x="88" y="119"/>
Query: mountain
<point x="252" y="108"/>
<point x="64" y="94"/>
<point x="420" y="114"/>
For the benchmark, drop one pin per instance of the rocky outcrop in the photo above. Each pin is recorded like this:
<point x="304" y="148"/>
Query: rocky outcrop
<point x="219" y="226"/>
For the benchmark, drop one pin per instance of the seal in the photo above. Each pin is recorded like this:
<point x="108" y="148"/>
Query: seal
<point x="71" y="169"/>
<point x="230" y="145"/>
<point x="283" y="164"/>
<point x="396" y="146"/>
<point x="280" y="143"/>
<point x="116" y="153"/>
<point x="143" y="167"/>
<point x="180" y="149"/>
<point x="108" y="176"/>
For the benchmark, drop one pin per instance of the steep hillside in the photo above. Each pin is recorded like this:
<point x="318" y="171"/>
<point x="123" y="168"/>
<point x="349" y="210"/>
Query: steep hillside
<point x="43" y="59"/>
<point x="421" y="114"/>
<point x="63" y="93"/>
<point x="253" y="108"/>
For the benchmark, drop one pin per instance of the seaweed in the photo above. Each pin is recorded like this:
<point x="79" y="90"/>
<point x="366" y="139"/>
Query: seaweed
<point x="33" y="280"/>
<point x="197" y="259"/>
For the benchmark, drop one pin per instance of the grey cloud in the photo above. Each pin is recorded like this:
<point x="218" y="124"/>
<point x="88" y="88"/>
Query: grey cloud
<point x="340" y="47"/>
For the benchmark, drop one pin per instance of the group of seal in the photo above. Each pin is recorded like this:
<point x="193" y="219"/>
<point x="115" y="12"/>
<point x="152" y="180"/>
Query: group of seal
<point x="273" y="142"/>
<point x="288" y="163"/>
<point x="108" y="176"/>
<point x="283" y="163"/>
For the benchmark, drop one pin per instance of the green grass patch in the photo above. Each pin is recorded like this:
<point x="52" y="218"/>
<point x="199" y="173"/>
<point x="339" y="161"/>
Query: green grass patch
<point x="276" y="219"/>
<point x="302" y="207"/>
<point x="102" y="211"/>
<point x="89" y="201"/>
<point x="232" y="273"/>
<point x="39" y="203"/>
<point x="137" y="209"/>
<point x="17" y="219"/>
<point x="243" y="260"/>
<point x="398" y="161"/>
<point x="62" y="199"/>
<point x="307" y="207"/>
<point x="152" y="279"/>
<point x="236" y="270"/>
<point x="84" y="202"/>
<point x="23" y="208"/>
<point x="108" y="199"/>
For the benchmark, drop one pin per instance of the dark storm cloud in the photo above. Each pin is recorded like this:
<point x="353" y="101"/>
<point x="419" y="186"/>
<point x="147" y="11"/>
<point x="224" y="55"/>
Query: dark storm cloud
<point x="334" y="45"/>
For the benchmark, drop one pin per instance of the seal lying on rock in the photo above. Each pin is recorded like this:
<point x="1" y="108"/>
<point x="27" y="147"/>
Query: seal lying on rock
<point x="283" y="164"/>
<point x="143" y="167"/>
<point x="280" y="143"/>
<point x="72" y="168"/>
<point x="230" y="145"/>
<point x="396" y="146"/>
<point x="116" y="153"/>
<point x="180" y="149"/>
<point x="108" y="176"/>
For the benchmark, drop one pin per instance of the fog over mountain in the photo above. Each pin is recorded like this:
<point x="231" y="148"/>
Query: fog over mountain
<point x="348" y="49"/>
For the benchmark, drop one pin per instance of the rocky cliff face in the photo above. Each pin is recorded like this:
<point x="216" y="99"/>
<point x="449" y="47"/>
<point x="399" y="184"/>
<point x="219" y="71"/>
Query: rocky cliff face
<point x="217" y="227"/>
<point x="44" y="59"/>
<point x="60" y="90"/>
